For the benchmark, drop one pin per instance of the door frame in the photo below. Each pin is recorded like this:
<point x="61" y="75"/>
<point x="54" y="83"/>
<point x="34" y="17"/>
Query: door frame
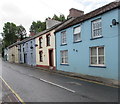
<point x="52" y="56"/>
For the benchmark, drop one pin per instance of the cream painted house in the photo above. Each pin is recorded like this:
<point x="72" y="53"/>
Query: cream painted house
<point x="13" y="53"/>
<point x="45" y="50"/>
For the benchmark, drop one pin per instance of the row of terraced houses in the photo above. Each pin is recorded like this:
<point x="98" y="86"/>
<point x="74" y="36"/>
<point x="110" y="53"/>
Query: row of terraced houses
<point x="85" y="43"/>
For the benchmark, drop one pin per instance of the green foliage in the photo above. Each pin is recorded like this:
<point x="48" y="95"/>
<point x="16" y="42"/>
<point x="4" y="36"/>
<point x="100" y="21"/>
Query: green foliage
<point x="21" y="32"/>
<point x="9" y="34"/>
<point x="59" y="18"/>
<point x="37" y="27"/>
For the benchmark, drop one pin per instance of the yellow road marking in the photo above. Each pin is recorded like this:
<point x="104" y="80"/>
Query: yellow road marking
<point x="13" y="91"/>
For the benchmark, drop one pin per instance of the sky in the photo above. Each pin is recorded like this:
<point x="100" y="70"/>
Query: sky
<point x="24" y="12"/>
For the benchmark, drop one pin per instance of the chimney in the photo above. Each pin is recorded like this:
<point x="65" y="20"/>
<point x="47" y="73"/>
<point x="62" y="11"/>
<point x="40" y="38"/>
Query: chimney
<point x="75" y="13"/>
<point x="31" y="34"/>
<point x="18" y="40"/>
<point x="50" y="23"/>
<point x="117" y="0"/>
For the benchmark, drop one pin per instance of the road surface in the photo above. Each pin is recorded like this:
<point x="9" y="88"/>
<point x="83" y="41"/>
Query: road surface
<point x="35" y="85"/>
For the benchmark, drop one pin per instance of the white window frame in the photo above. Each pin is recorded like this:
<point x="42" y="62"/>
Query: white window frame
<point x="77" y="34"/>
<point x="63" y="38"/>
<point x="97" y="28"/>
<point x="97" y="55"/>
<point x="64" y="56"/>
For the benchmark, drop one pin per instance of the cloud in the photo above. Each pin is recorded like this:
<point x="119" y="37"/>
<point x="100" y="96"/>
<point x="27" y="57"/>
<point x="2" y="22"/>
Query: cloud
<point x="25" y="11"/>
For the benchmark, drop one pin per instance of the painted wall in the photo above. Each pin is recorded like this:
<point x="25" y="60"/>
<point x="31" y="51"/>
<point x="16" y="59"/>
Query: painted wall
<point x="13" y="54"/>
<point x="27" y="54"/>
<point x="45" y="49"/>
<point x="119" y="44"/>
<point x="79" y="61"/>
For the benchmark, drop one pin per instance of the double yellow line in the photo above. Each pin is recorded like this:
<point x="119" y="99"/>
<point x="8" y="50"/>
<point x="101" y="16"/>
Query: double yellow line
<point x="12" y="91"/>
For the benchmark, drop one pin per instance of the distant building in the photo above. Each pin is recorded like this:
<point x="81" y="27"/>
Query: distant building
<point x="13" y="53"/>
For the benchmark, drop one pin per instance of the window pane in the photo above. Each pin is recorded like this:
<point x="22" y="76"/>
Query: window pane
<point x="77" y="30"/>
<point x="96" y="28"/>
<point x="94" y="51"/>
<point x="101" y="60"/>
<point x="63" y="37"/>
<point x="93" y="60"/>
<point x="101" y="51"/>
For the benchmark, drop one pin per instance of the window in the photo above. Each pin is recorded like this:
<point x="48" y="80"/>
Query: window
<point x="31" y="45"/>
<point x="40" y="42"/>
<point x="63" y="38"/>
<point x="48" y="40"/>
<point x="97" y="56"/>
<point x="77" y="34"/>
<point x="64" y="57"/>
<point x="41" y="56"/>
<point x="96" y="28"/>
<point x="27" y="46"/>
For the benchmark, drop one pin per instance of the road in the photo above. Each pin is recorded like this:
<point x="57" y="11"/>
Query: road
<point x="35" y="85"/>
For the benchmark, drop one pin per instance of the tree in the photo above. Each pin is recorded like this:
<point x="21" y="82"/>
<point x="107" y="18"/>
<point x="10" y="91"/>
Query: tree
<point x="37" y="26"/>
<point x="21" y="32"/>
<point x="59" y="18"/>
<point x="9" y="34"/>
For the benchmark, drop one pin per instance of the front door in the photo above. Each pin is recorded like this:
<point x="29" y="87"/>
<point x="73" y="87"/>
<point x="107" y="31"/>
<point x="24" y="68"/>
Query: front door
<point x="51" y="60"/>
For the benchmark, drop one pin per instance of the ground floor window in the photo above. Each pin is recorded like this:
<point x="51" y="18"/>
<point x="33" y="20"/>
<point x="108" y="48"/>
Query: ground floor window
<point x="97" y="56"/>
<point x="64" y="57"/>
<point x="41" y="56"/>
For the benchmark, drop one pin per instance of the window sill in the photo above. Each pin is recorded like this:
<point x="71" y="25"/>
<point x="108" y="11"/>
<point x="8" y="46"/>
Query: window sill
<point x="63" y="44"/>
<point x="96" y="38"/>
<point x="98" y="66"/>
<point x="64" y="64"/>
<point x="78" y="41"/>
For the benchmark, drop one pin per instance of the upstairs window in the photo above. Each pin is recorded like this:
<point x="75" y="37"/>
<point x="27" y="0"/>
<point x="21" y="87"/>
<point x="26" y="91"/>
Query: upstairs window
<point x="48" y="40"/>
<point x="40" y="42"/>
<point x="97" y="56"/>
<point x="63" y="38"/>
<point x="97" y="28"/>
<point x="41" y="56"/>
<point x="64" y="57"/>
<point x="77" y="34"/>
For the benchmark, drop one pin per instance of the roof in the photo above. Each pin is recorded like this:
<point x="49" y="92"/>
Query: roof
<point x="101" y="10"/>
<point x="40" y="33"/>
<point x="14" y="44"/>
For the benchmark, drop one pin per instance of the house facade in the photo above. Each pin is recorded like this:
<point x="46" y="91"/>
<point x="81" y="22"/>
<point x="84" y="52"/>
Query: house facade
<point x="27" y="52"/>
<point x="89" y="44"/>
<point x="13" y="53"/>
<point x="45" y="51"/>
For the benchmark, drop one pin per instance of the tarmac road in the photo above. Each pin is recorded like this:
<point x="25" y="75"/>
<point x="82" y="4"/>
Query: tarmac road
<point x="33" y="85"/>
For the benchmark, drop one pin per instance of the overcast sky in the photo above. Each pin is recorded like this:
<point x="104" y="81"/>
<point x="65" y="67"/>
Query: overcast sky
<point x="23" y="12"/>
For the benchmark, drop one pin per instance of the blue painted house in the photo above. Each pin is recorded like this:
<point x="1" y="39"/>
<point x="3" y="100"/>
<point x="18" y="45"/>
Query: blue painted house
<point x="27" y="52"/>
<point x="89" y="44"/>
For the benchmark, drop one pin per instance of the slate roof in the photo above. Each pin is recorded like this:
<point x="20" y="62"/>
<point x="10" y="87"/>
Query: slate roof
<point x="99" y="11"/>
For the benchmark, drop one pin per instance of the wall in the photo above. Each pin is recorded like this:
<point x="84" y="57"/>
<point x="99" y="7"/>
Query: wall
<point x="26" y="50"/>
<point x="45" y="49"/>
<point x="13" y="54"/>
<point x="79" y="61"/>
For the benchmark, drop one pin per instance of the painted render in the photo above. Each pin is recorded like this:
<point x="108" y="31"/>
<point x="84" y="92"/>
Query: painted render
<point x="79" y="53"/>
<point x="45" y="49"/>
<point x="27" y="52"/>
<point x="13" y="54"/>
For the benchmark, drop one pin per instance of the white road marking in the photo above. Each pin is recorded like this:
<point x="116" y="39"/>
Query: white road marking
<point x="57" y="85"/>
